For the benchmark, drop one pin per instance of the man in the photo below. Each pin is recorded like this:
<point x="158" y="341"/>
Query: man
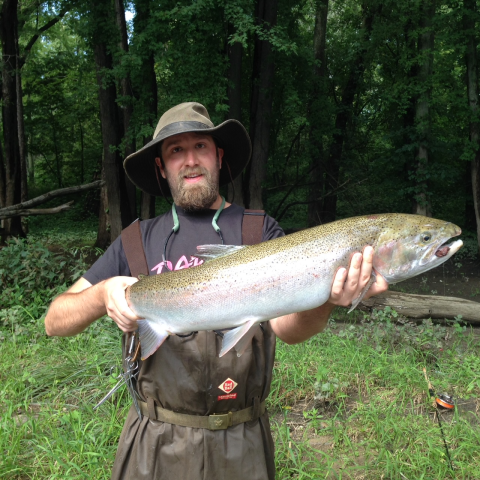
<point x="185" y="380"/>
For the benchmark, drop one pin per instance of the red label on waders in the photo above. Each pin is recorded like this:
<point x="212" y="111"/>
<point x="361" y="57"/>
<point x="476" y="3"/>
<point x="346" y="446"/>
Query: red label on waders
<point x="229" y="396"/>
<point x="227" y="386"/>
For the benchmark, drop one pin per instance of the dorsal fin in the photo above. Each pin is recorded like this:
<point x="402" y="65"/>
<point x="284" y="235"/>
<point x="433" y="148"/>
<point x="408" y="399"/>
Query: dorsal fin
<point x="209" y="252"/>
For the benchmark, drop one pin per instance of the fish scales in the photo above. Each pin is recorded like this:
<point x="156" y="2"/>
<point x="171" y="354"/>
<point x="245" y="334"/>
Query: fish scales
<point x="285" y="275"/>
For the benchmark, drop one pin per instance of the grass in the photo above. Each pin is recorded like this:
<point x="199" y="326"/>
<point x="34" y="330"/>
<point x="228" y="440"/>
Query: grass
<point x="377" y="423"/>
<point x="380" y="422"/>
<point x="350" y="403"/>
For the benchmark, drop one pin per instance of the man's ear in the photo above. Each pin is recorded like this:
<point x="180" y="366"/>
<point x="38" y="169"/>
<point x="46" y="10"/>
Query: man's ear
<point x="159" y="163"/>
<point x="220" y="156"/>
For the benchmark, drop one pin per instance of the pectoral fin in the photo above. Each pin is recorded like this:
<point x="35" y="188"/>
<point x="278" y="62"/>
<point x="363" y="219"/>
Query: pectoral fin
<point x="239" y="338"/>
<point x="151" y="337"/>
<point x="355" y="303"/>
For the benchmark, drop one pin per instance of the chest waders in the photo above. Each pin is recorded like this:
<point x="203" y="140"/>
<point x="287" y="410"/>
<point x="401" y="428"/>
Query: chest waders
<point x="252" y="232"/>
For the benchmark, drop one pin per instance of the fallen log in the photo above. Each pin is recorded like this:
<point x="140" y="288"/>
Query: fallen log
<point x="427" y="306"/>
<point x="24" y="209"/>
<point x="43" y="211"/>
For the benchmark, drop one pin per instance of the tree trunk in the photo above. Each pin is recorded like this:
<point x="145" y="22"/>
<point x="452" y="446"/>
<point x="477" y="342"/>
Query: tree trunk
<point x="2" y="177"/>
<point x="421" y="204"/>
<point x="344" y="116"/>
<point x="21" y="134"/>
<point x="261" y="105"/>
<point x="103" y="234"/>
<point x="234" y="93"/>
<point x="111" y="140"/>
<point x="12" y="164"/>
<point x="146" y="90"/>
<point x="317" y="114"/>
<point x="125" y="111"/>
<point x="104" y="34"/>
<point x="472" y="91"/>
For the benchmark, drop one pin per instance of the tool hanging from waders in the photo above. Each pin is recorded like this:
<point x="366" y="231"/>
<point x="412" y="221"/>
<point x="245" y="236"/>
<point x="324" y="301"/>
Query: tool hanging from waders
<point x="252" y="233"/>
<point x="127" y="377"/>
<point x="443" y="401"/>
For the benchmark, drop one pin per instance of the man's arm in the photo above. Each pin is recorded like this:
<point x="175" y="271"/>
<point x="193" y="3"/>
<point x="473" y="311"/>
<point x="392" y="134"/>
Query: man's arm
<point x="298" y="327"/>
<point x="73" y="311"/>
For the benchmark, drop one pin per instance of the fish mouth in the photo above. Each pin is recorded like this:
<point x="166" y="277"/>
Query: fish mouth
<point x="447" y="250"/>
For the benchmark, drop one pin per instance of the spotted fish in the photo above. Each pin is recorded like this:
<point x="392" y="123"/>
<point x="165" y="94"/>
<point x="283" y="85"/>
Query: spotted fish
<point x="240" y="286"/>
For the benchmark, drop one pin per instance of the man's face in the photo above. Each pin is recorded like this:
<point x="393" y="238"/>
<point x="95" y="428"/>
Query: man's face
<point x="192" y="170"/>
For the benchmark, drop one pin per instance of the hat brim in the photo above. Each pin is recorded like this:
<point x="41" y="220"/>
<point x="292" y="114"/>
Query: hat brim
<point x="230" y="135"/>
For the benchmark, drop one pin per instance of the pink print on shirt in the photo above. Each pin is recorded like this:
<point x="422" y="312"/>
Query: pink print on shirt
<point x="181" y="264"/>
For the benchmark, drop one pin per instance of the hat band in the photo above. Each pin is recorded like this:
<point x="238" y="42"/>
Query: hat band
<point x="181" y="127"/>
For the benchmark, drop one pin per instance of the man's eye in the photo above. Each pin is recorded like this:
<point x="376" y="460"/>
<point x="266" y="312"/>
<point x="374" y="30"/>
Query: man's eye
<point x="201" y="145"/>
<point x="176" y="149"/>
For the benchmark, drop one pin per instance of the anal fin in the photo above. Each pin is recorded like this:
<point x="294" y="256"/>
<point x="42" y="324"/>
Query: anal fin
<point x="151" y="336"/>
<point x="239" y="338"/>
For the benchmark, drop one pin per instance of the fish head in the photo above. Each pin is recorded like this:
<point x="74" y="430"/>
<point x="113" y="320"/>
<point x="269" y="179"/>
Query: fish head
<point x="413" y="244"/>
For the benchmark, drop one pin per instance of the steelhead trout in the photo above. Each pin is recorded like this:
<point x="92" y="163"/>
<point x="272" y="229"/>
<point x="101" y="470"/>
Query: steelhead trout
<point x="240" y="286"/>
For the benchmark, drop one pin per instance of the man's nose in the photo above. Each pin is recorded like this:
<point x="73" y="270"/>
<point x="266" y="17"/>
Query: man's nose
<point x="191" y="157"/>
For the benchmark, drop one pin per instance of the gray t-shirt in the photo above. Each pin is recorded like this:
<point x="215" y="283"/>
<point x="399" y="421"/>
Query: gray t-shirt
<point x="195" y="229"/>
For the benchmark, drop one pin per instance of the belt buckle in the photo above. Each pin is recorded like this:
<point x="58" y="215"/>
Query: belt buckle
<point x="220" y="421"/>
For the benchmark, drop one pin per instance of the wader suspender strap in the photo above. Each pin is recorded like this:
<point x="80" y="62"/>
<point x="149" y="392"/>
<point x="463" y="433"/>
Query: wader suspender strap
<point x="252" y="226"/>
<point x="133" y="248"/>
<point x="252" y="232"/>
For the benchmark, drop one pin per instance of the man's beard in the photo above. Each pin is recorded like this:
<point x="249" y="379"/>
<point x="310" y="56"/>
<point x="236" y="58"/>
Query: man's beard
<point x="195" y="197"/>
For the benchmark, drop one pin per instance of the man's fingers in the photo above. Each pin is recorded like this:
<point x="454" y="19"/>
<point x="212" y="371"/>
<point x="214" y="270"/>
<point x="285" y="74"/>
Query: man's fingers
<point x="338" y="283"/>
<point x="116" y="303"/>
<point x="380" y="286"/>
<point x="367" y="266"/>
<point x="354" y="273"/>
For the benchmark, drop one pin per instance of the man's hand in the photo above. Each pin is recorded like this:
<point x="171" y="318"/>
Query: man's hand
<point x="116" y="303"/>
<point x="348" y="284"/>
<point x="73" y="311"/>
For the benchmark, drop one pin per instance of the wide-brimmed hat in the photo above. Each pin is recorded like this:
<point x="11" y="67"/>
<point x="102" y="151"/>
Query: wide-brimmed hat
<point x="189" y="117"/>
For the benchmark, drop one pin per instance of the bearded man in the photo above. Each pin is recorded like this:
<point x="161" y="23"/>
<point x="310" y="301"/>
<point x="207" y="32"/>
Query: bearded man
<point x="181" y="386"/>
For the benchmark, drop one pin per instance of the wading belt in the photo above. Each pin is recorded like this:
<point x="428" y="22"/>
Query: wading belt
<point x="211" y="422"/>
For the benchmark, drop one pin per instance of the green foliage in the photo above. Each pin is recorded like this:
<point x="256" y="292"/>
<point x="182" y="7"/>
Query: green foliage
<point x="31" y="275"/>
<point x="398" y="332"/>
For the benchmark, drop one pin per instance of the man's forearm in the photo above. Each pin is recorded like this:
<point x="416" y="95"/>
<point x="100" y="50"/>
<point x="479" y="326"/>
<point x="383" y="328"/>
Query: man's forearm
<point x="72" y="312"/>
<point x="298" y="327"/>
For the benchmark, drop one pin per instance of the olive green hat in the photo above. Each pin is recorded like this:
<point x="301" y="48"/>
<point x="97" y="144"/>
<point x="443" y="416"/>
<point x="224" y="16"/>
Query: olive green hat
<point x="189" y="117"/>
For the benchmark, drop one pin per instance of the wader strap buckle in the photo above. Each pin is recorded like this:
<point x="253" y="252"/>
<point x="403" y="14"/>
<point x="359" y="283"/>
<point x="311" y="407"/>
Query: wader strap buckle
<point x="220" y="421"/>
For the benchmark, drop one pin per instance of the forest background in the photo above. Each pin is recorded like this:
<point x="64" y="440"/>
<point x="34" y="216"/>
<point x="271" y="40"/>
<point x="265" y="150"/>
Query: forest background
<point x="352" y="107"/>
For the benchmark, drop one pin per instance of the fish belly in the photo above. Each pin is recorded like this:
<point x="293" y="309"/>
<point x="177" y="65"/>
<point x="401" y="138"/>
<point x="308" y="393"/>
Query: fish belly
<point x="266" y="290"/>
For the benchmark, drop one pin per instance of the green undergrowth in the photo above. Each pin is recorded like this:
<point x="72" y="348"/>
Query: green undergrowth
<point x="35" y="270"/>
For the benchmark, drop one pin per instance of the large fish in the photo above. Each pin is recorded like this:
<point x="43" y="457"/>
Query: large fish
<point x="240" y="286"/>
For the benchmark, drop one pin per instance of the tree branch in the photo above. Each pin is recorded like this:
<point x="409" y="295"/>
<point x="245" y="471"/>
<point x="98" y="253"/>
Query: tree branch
<point x="45" y="27"/>
<point x="331" y="192"/>
<point x="13" y="210"/>
<point x="36" y="211"/>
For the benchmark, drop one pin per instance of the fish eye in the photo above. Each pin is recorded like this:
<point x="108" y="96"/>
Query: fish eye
<point x="426" y="236"/>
